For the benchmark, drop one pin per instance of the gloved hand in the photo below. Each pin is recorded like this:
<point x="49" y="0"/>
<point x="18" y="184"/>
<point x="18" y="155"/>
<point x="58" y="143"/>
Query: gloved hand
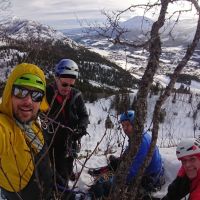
<point x="114" y="162"/>
<point x="79" y="133"/>
<point x="82" y="131"/>
<point x="112" y="158"/>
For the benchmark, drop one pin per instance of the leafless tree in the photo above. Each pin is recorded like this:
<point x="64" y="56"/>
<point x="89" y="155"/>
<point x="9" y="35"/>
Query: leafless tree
<point x="115" y="33"/>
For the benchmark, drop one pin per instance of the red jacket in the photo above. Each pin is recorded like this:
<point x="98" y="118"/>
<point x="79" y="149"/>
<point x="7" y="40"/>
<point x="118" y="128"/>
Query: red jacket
<point x="195" y="188"/>
<point x="183" y="186"/>
<point x="194" y="185"/>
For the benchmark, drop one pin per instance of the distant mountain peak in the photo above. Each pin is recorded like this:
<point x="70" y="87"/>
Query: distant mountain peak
<point x="23" y="29"/>
<point x="138" y="22"/>
<point x="173" y="33"/>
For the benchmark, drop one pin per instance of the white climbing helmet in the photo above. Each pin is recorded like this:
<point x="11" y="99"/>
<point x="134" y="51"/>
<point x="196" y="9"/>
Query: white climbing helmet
<point x="187" y="147"/>
<point x="67" y="68"/>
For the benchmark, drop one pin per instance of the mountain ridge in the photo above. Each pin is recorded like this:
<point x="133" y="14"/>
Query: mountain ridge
<point x="138" y="29"/>
<point x="45" y="50"/>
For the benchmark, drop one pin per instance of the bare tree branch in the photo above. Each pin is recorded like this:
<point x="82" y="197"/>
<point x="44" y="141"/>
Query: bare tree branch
<point x="130" y="191"/>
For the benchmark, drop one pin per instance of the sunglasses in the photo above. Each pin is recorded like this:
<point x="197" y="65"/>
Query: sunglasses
<point x="21" y="93"/>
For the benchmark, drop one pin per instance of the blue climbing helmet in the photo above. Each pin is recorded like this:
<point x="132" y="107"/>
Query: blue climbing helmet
<point x="67" y="68"/>
<point x="127" y="116"/>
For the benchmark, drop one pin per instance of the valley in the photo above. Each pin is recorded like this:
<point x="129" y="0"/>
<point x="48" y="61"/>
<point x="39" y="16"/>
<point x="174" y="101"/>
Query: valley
<point x="135" y="60"/>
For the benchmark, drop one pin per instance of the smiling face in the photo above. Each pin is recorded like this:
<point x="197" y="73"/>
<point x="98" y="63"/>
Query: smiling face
<point x="64" y="85"/>
<point x="191" y="165"/>
<point x="25" y="109"/>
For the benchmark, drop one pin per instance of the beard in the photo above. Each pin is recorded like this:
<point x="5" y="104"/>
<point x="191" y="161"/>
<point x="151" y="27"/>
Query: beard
<point x="32" y="118"/>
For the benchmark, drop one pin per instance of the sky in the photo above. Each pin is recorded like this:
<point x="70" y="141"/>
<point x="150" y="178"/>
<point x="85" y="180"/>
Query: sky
<point x="65" y="14"/>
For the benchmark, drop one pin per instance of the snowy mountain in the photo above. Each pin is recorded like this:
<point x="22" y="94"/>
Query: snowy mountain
<point x="173" y="33"/>
<point x="134" y="60"/>
<point x="96" y="56"/>
<point x="29" y="41"/>
<point x="138" y="22"/>
<point x="138" y="28"/>
<point x="25" y="30"/>
<point x="179" y="33"/>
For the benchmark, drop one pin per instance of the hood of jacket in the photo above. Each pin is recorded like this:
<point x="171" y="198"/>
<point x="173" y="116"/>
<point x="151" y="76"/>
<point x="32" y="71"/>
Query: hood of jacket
<point x="19" y="70"/>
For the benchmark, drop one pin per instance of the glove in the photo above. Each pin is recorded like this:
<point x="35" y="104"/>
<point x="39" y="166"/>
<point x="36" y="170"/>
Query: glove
<point x="114" y="163"/>
<point x="79" y="133"/>
<point x="82" y="131"/>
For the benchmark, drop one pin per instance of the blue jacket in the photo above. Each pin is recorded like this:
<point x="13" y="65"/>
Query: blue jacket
<point x="155" y="165"/>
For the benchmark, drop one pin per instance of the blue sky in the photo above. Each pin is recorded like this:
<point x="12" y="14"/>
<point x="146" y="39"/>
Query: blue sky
<point x="65" y="14"/>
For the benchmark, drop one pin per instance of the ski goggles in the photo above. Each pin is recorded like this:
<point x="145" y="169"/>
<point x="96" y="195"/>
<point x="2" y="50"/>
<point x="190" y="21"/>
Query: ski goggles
<point x="21" y="93"/>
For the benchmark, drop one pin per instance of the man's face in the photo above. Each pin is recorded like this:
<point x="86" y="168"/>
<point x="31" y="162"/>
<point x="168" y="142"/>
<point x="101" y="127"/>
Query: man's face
<point x="191" y="165"/>
<point x="25" y="109"/>
<point x="64" y="85"/>
<point x="127" y="127"/>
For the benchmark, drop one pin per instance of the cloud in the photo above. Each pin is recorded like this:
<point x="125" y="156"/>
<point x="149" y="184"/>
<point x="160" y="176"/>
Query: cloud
<point x="54" y="12"/>
<point x="62" y="10"/>
<point x="68" y="23"/>
<point x="81" y="14"/>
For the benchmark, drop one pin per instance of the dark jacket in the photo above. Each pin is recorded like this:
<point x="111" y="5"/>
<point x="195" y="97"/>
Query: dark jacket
<point x="178" y="189"/>
<point x="72" y="114"/>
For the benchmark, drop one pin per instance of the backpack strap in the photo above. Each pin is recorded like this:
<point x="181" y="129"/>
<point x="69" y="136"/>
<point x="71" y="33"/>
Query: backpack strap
<point x="72" y="103"/>
<point x="53" y="100"/>
<point x="54" y="97"/>
<point x="74" y="98"/>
